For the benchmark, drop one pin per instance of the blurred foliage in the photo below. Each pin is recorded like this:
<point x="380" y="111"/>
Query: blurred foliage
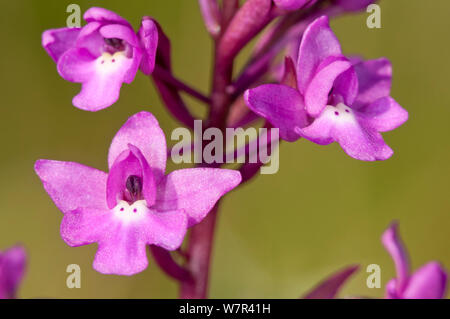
<point x="277" y="236"/>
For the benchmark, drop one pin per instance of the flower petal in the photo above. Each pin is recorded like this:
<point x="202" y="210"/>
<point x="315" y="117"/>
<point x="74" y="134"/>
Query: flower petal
<point x="142" y="130"/>
<point x="12" y="270"/>
<point x="394" y="245"/>
<point x="104" y="16"/>
<point x="148" y="36"/>
<point x="148" y="182"/>
<point x="72" y="185"/>
<point x="385" y="114"/>
<point x="290" y="4"/>
<point x="129" y="163"/>
<point x="167" y="229"/>
<point x="84" y="226"/>
<point x="391" y="290"/>
<point x="341" y="124"/>
<point x="101" y="77"/>
<point x="58" y="41"/>
<point x="319" y="88"/>
<point x="76" y="65"/>
<point x="346" y="86"/>
<point x="126" y="164"/>
<point x="123" y="233"/>
<point x="428" y="282"/>
<point x="319" y="43"/>
<point x="91" y="39"/>
<point x="124" y="253"/>
<point x="329" y="288"/>
<point x="127" y="34"/>
<point x="374" y="77"/>
<point x="195" y="190"/>
<point x="354" y="5"/>
<point x="119" y="31"/>
<point x="281" y="105"/>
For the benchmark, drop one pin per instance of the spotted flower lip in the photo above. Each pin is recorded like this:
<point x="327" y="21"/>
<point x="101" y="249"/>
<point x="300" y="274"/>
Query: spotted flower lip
<point x="336" y="99"/>
<point x="101" y="56"/>
<point x="12" y="270"/>
<point x="135" y="204"/>
<point x="428" y="282"/>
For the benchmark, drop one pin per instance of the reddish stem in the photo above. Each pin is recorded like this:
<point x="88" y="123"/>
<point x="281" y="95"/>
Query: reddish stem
<point x="201" y="236"/>
<point x="165" y="261"/>
<point x="168" y="77"/>
<point x="199" y="250"/>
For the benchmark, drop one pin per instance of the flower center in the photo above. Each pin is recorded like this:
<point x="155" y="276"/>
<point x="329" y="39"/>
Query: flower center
<point x="113" y="45"/>
<point x="134" y="187"/>
<point x="340" y="112"/>
<point x="128" y="213"/>
<point x="108" y="63"/>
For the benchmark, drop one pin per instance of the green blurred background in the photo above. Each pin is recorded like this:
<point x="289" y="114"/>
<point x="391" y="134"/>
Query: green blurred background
<point x="277" y="236"/>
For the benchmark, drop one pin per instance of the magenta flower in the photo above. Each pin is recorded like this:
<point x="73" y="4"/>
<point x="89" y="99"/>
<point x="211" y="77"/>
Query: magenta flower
<point x="101" y="56"/>
<point x="336" y="100"/>
<point x="354" y="5"/>
<point x="347" y="5"/>
<point x="330" y="287"/>
<point x="12" y="269"/>
<point x="293" y="4"/>
<point x="428" y="282"/>
<point x="135" y="204"/>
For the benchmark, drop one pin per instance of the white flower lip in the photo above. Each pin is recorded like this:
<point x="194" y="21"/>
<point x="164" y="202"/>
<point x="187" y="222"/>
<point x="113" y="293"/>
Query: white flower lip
<point x="130" y="213"/>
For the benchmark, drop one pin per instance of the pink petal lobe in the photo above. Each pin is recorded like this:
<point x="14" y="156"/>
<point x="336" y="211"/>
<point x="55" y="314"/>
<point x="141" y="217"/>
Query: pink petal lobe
<point x="281" y="105"/>
<point x="290" y="4"/>
<point x="123" y="233"/>
<point x="394" y="246"/>
<point x="148" y="37"/>
<point x="195" y="190"/>
<point x="126" y="164"/>
<point x="428" y="282"/>
<point x="104" y="16"/>
<point x="142" y="130"/>
<point x="101" y="77"/>
<point x="58" y="41"/>
<point x="374" y="77"/>
<point x="318" y="43"/>
<point x="12" y="269"/>
<point x="72" y="185"/>
<point x="343" y="125"/>
<point x="317" y="92"/>
<point x="385" y="114"/>
<point x="330" y="287"/>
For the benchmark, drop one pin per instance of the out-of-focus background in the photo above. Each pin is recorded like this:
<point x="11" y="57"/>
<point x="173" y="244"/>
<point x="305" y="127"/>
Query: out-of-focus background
<point x="277" y="236"/>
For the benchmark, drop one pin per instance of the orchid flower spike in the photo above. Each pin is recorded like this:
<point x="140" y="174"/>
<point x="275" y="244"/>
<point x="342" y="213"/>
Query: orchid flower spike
<point x="428" y="282"/>
<point x="12" y="270"/>
<point x="135" y="204"/>
<point x="336" y="99"/>
<point x="101" y="56"/>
